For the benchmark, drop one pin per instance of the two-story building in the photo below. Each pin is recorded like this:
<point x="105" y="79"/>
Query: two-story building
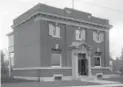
<point x="51" y="42"/>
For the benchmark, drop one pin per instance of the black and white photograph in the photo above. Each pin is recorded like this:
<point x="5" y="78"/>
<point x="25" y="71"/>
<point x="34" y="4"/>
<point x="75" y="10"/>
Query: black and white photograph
<point x="61" y="43"/>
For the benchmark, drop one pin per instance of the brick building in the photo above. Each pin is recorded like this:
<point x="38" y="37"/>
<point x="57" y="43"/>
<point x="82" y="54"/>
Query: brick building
<point x="51" y="42"/>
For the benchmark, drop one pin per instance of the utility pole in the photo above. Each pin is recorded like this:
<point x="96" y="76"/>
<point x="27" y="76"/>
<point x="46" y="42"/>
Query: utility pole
<point x="72" y="4"/>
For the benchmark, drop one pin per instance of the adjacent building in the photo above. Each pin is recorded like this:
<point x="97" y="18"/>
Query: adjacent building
<point x="11" y="47"/>
<point x="51" y="42"/>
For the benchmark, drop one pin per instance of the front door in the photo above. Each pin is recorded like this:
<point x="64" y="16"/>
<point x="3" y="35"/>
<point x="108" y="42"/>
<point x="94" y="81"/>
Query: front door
<point x="82" y="64"/>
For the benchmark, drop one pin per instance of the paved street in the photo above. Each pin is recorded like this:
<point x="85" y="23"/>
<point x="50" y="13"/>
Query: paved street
<point x="108" y="82"/>
<point x="58" y="84"/>
<point x="47" y="84"/>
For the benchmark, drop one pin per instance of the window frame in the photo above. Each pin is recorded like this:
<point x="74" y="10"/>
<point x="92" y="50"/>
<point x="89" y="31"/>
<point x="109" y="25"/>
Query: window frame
<point x="100" y="61"/>
<point x="101" y="36"/>
<point x="98" y="37"/>
<point x="60" y="65"/>
<point x="77" y="34"/>
<point x="57" y="30"/>
<point x="83" y="38"/>
<point x="81" y="34"/>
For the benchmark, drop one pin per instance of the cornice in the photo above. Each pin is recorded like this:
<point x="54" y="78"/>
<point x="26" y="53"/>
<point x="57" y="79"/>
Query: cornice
<point x="9" y="34"/>
<point x="66" y="20"/>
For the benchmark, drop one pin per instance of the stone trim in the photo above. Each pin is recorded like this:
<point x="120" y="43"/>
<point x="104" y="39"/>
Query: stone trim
<point x="68" y="19"/>
<point x="10" y="33"/>
<point x="100" y="67"/>
<point x="34" y="68"/>
<point x="41" y="78"/>
<point x="26" y="78"/>
<point x="52" y="78"/>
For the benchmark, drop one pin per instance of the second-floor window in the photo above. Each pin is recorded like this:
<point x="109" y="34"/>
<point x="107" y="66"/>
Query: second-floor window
<point x="98" y="36"/>
<point x="54" y="30"/>
<point x="80" y="34"/>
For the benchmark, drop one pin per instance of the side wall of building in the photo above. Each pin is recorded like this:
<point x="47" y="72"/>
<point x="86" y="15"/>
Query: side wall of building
<point x="27" y="44"/>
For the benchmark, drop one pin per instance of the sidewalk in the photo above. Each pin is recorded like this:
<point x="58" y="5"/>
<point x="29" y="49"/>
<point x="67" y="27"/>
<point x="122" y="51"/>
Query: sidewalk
<point x="108" y="85"/>
<point x="103" y="83"/>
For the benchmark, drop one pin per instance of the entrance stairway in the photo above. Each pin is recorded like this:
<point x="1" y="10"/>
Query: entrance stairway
<point x="87" y="78"/>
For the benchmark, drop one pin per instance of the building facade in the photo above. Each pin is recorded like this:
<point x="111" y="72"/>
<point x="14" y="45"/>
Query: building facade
<point x="51" y="42"/>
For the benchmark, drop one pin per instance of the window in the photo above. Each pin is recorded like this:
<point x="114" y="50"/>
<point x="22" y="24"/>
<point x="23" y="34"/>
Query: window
<point x="98" y="37"/>
<point x="56" y="60"/>
<point x="101" y="36"/>
<point x="54" y="30"/>
<point x="97" y="60"/>
<point x="80" y="34"/>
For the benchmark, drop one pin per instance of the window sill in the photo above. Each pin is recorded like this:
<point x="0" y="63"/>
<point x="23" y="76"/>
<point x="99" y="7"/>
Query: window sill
<point x="39" y="68"/>
<point x="55" y="36"/>
<point x="96" y="67"/>
<point x="100" y="67"/>
<point x="80" y="39"/>
<point x="56" y="66"/>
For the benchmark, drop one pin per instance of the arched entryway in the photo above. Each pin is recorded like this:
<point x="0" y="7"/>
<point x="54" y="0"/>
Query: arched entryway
<point x="81" y="62"/>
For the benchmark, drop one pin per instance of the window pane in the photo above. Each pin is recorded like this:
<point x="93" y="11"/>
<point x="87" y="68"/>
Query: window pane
<point x="94" y="36"/>
<point x="97" y="61"/>
<point x="57" y="31"/>
<point x="101" y="37"/>
<point x="54" y="31"/>
<point x="50" y="29"/>
<point x="83" y="34"/>
<point x="55" y="59"/>
<point x="78" y="35"/>
<point x="97" y="37"/>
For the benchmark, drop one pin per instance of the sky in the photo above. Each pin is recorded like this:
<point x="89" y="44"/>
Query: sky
<point x="108" y="9"/>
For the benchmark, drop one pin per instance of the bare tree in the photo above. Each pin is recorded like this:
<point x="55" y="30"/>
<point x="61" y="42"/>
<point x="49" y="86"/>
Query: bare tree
<point x="121" y="61"/>
<point x="4" y="65"/>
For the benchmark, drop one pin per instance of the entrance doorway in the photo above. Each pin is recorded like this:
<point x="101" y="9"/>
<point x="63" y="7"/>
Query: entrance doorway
<point x="82" y="64"/>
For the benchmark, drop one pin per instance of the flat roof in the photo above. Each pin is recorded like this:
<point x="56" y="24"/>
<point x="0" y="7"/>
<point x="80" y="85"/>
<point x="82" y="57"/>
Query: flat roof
<point x="66" y="12"/>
